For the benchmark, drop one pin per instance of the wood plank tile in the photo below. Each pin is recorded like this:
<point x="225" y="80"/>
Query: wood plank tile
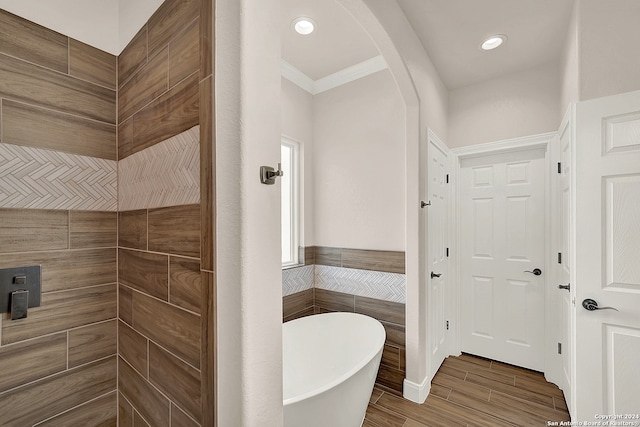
<point x="208" y="375"/>
<point x="184" y="53"/>
<point x="304" y="313"/>
<point x="309" y="255"/>
<point x="32" y="42"/>
<point x="43" y="399"/>
<point x="132" y="347"/>
<point x="180" y="419"/>
<point x="92" y="342"/>
<point x="328" y="256"/>
<point x="102" y="412"/>
<point x="138" y="421"/>
<point x="388" y="261"/>
<point x="539" y="387"/>
<point x="173" y="14"/>
<point x="384" y="418"/>
<point x="147" y="84"/>
<point x="507" y="369"/>
<point x="133" y="57"/>
<point x="474" y="390"/>
<point x="170" y="114"/>
<point x="412" y="423"/>
<point x="92" y="229"/>
<point x="560" y="404"/>
<point x="542" y="412"/>
<point x="88" y="305"/>
<point x="31" y="126"/>
<point x="403" y="359"/>
<point x="145" y="272"/>
<point x="480" y="371"/>
<point x="184" y="283"/>
<point x="29" y="83"/>
<point x="390" y="377"/>
<point x="207" y="174"/>
<point x="416" y="412"/>
<point x="439" y="391"/>
<point x="174" y="329"/>
<point x="64" y="270"/>
<point x="32" y="359"/>
<point x="125" y="412"/>
<point x="504" y="413"/>
<point x="475" y="359"/>
<point x="177" y="380"/>
<point x="452" y="372"/>
<point x="335" y="301"/>
<point x="91" y="64"/>
<point x="145" y="398"/>
<point x="510" y="390"/>
<point x="297" y="302"/>
<point x="386" y="311"/>
<point x="132" y="229"/>
<point x="390" y="356"/>
<point x="175" y="230"/>
<point x="125" y="136"/>
<point x="395" y="334"/>
<point x="24" y="230"/>
<point x="375" y="395"/>
<point x="125" y="304"/>
<point x="463" y="414"/>
<point x="206" y="39"/>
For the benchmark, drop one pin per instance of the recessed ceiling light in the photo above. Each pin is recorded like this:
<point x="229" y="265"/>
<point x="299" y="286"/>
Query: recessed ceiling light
<point x="493" y="42"/>
<point x="303" y="25"/>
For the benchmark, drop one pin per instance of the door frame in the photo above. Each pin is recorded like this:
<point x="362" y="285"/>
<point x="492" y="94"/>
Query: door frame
<point x="540" y="141"/>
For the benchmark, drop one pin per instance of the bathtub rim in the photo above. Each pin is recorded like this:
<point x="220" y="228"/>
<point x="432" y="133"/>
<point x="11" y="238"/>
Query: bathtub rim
<point x="351" y="372"/>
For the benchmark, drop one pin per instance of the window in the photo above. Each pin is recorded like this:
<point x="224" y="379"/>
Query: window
<point x="290" y="209"/>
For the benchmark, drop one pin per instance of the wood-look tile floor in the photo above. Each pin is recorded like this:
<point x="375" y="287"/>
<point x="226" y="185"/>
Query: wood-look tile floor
<point x="472" y="391"/>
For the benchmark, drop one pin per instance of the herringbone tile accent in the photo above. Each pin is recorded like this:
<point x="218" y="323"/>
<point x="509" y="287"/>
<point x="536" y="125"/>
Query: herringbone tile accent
<point x="45" y="179"/>
<point x="165" y="174"/>
<point x="297" y="279"/>
<point x="366" y="283"/>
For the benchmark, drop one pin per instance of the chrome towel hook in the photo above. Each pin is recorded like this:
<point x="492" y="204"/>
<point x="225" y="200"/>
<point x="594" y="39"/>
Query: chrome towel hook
<point x="268" y="174"/>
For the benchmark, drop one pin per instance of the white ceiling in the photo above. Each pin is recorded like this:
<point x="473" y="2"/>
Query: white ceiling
<point x="338" y="42"/>
<point x="450" y="31"/>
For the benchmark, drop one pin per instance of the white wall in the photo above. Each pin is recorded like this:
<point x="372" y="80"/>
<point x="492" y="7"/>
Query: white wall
<point x="248" y="261"/>
<point x="609" y="33"/>
<point x="297" y="124"/>
<point x="358" y="160"/>
<point x="519" y="104"/>
<point x="570" y="85"/>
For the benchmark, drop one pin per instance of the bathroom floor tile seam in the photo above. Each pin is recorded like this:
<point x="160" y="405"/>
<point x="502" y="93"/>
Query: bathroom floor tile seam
<point x="472" y="391"/>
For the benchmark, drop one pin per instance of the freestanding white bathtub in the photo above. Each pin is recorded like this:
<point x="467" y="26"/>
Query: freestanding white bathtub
<point x="330" y="363"/>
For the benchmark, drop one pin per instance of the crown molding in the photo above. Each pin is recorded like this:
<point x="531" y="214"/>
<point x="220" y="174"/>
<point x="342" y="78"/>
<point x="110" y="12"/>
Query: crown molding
<point x="334" y="80"/>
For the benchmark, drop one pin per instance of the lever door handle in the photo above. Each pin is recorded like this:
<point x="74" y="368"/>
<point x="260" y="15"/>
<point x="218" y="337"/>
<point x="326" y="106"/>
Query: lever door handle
<point x="535" y="272"/>
<point x="435" y="274"/>
<point x="566" y="287"/>
<point x="592" y="305"/>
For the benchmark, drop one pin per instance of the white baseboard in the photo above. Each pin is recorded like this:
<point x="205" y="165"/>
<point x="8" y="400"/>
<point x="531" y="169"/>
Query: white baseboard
<point x="416" y="392"/>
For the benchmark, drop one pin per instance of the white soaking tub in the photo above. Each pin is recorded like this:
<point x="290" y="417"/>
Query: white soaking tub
<point x="330" y="363"/>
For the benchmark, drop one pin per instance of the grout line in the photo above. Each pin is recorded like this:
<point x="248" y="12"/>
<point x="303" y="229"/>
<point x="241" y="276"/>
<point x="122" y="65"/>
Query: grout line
<point x="158" y="299"/>
<point x="77" y="406"/>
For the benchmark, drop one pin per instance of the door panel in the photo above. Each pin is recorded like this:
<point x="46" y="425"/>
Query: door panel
<point x="607" y="247"/>
<point x="502" y="235"/>
<point x="438" y="226"/>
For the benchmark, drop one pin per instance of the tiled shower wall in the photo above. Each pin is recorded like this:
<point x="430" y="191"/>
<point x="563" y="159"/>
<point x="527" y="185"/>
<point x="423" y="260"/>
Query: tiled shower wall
<point x="57" y="209"/>
<point x="58" y="187"/>
<point x="166" y="266"/>
<point x="361" y="281"/>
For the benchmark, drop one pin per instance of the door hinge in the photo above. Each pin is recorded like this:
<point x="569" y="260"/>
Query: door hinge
<point x="447" y="252"/>
<point x="447" y="178"/>
<point x="559" y="348"/>
<point x="559" y="257"/>
<point x="447" y="325"/>
<point x="559" y="167"/>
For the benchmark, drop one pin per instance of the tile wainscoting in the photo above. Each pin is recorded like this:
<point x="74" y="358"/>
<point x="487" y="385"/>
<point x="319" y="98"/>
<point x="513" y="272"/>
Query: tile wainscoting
<point x="374" y="286"/>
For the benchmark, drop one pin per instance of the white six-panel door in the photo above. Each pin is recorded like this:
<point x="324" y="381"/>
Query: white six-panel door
<point x="607" y="269"/>
<point x="502" y="207"/>
<point x="438" y="213"/>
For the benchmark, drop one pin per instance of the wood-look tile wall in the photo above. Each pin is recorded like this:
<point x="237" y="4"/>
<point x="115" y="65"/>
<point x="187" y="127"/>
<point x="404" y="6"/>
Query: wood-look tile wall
<point x="387" y="261"/>
<point x="166" y="255"/>
<point x="391" y="314"/>
<point x="59" y="364"/>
